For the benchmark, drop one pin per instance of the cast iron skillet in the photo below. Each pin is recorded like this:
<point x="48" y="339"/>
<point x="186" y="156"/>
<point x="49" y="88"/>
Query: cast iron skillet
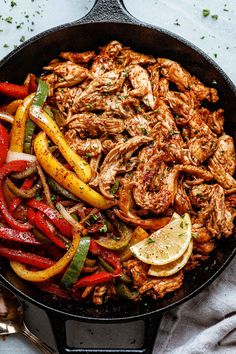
<point x="109" y="20"/>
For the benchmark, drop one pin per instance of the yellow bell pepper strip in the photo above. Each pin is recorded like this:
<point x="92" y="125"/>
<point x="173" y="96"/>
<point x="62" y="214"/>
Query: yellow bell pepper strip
<point x="64" y="177"/>
<point x="58" y="267"/>
<point x="18" y="127"/>
<point x="138" y="235"/>
<point x="50" y="127"/>
<point x="11" y="107"/>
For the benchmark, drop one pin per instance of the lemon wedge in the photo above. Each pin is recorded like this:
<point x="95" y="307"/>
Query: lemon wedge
<point x="173" y="267"/>
<point x="167" y="244"/>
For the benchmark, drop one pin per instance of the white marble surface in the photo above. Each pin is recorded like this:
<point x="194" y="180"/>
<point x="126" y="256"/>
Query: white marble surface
<point x="217" y="37"/>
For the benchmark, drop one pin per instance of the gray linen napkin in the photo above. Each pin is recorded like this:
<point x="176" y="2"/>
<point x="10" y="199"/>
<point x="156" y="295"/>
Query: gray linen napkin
<point x="205" y="324"/>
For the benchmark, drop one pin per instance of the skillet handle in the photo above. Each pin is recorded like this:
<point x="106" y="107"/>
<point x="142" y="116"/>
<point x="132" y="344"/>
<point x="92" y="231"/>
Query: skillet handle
<point x="108" y="10"/>
<point x="58" y="323"/>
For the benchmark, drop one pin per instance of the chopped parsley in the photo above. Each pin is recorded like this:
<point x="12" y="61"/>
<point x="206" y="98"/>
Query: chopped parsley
<point x="205" y="12"/>
<point x="37" y="196"/>
<point x="94" y="217"/>
<point x="13" y="3"/>
<point x="144" y="131"/>
<point x="22" y="39"/>
<point x="176" y="23"/>
<point x="215" y="17"/>
<point x="5" y="45"/>
<point x="103" y="229"/>
<point x="115" y="187"/>
<point x="88" y="155"/>
<point x="206" y="268"/>
<point x="150" y="240"/>
<point x="182" y="225"/>
<point x="8" y="19"/>
<point x="215" y="55"/>
<point x="53" y="197"/>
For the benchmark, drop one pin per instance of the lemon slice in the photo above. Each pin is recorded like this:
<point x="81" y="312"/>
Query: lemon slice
<point x="167" y="244"/>
<point x="173" y="267"/>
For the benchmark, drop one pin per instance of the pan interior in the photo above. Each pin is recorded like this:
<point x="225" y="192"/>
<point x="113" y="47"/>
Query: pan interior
<point x="37" y="53"/>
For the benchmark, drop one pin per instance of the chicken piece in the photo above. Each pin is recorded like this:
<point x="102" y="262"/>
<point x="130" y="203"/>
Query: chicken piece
<point x="159" y="287"/>
<point x="200" y="195"/>
<point x="220" y="220"/>
<point x="94" y="164"/>
<point x="128" y="56"/>
<point x="98" y="294"/>
<point x="182" y="78"/>
<point x="163" y="88"/>
<point x="108" y="83"/>
<point x="213" y="214"/>
<point x="138" y="271"/>
<point x="86" y="147"/>
<point x="51" y="80"/>
<point x="127" y="213"/>
<point x="196" y="171"/>
<point x="155" y="183"/>
<point x="202" y="142"/>
<point x="105" y="60"/>
<point x="65" y="98"/>
<point x="78" y="58"/>
<point x="69" y="74"/>
<point x="137" y="125"/>
<point x="142" y="86"/>
<point x="204" y="248"/>
<point x="116" y="160"/>
<point x="200" y="234"/>
<point x="167" y="136"/>
<point x="93" y="125"/>
<point x="155" y="81"/>
<point x="182" y="202"/>
<point x="182" y="104"/>
<point x="214" y="120"/>
<point x="230" y="200"/>
<point x="222" y="163"/>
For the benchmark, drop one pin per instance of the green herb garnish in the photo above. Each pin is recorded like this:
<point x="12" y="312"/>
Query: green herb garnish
<point x="150" y="240"/>
<point x="205" y="12"/>
<point x="103" y="229"/>
<point x="115" y="187"/>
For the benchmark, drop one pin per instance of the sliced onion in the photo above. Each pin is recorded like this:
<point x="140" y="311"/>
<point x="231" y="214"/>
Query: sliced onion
<point x="13" y="156"/>
<point x="62" y="210"/>
<point x="7" y="117"/>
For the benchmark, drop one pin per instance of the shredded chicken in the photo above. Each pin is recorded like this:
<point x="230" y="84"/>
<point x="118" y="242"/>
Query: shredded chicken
<point x="159" y="287"/>
<point x="153" y="148"/>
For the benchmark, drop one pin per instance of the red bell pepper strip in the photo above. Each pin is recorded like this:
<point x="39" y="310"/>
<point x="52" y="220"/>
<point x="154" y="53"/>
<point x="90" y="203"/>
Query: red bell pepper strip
<point x="22" y="237"/>
<point x="27" y="184"/>
<point x="13" y="90"/>
<point x="32" y="86"/>
<point x="47" y="229"/>
<point x="53" y="215"/>
<point x="13" y="166"/>
<point x="4" y="140"/>
<point x="107" y="255"/>
<point x="93" y="280"/>
<point x="31" y="215"/>
<point x="52" y="288"/>
<point x="26" y="258"/>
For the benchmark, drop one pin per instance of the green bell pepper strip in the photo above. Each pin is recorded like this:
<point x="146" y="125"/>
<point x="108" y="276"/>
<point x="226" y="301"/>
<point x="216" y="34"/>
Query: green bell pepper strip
<point x="123" y="291"/>
<point x="39" y="100"/>
<point x="29" y="131"/>
<point x="72" y="273"/>
<point x="41" y="94"/>
<point x="60" y="190"/>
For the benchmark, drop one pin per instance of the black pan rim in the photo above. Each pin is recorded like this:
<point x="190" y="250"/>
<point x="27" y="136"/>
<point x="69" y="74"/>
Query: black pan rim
<point x="232" y="86"/>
